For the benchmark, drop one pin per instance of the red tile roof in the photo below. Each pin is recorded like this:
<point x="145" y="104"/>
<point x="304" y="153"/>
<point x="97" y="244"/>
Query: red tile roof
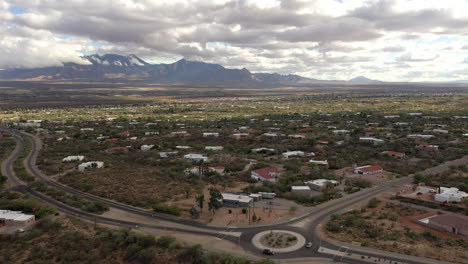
<point x="266" y="172"/>
<point x="370" y="168"/>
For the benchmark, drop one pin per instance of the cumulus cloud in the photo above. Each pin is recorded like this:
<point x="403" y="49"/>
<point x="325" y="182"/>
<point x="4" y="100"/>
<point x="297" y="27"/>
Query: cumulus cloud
<point x="385" y="39"/>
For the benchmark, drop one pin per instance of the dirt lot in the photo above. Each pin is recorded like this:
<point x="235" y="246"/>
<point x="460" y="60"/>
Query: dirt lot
<point x="235" y="217"/>
<point x="383" y="176"/>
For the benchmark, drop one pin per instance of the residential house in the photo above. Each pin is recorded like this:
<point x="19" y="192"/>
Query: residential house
<point x="146" y="147"/>
<point x="15" y="219"/>
<point x="374" y="141"/>
<point x="236" y="200"/>
<point x="240" y="135"/>
<point x="319" y="162"/>
<point x="369" y="169"/>
<point x="452" y="223"/>
<point x="321" y="184"/>
<point x="73" y="158"/>
<point x="90" y="165"/>
<point x="296" y="136"/>
<point x="167" y="154"/>
<point x="210" y="134"/>
<point x="195" y="157"/>
<point x="292" y="154"/>
<point x="215" y="148"/>
<point x="180" y="134"/>
<point x="421" y="136"/>
<point x="266" y="174"/>
<point x="301" y="190"/>
<point x="449" y="195"/>
<point x="263" y="150"/>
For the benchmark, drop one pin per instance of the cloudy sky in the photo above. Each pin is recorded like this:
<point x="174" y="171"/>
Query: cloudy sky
<point x="390" y="40"/>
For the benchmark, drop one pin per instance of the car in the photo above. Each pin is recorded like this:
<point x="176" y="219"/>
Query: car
<point x="19" y="230"/>
<point x="308" y="245"/>
<point x="267" y="251"/>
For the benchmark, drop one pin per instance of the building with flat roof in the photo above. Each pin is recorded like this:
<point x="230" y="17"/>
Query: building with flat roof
<point x="73" y="158"/>
<point x="321" y="184"/>
<point x="195" y="158"/>
<point x="91" y="165"/>
<point x="15" y="218"/>
<point x="236" y="200"/>
<point x="449" y="195"/>
<point x="452" y="223"/>
<point x="301" y="190"/>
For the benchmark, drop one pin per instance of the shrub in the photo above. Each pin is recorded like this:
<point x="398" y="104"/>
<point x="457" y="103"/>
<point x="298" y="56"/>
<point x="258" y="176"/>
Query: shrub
<point x="167" y="209"/>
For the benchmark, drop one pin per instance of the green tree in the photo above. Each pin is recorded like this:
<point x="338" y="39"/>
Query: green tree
<point x="194" y="212"/>
<point x="215" y="201"/>
<point x="200" y="199"/>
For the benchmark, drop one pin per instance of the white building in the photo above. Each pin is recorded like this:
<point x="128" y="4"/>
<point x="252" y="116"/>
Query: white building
<point x="257" y="150"/>
<point x="235" y="200"/>
<point x="183" y="147"/>
<point x="195" y="158"/>
<point x="151" y="133"/>
<point x="401" y="124"/>
<point x="421" y="136"/>
<point x="216" y="148"/>
<point x="146" y="147"/>
<point x="450" y="195"/>
<point x="91" y="165"/>
<point x="270" y="134"/>
<point x="15" y="218"/>
<point x="391" y="116"/>
<point x="301" y="190"/>
<point x="73" y="158"/>
<point x="296" y="136"/>
<point x="440" y="131"/>
<point x="210" y="134"/>
<point x="86" y="129"/>
<point x="372" y="140"/>
<point x="340" y="131"/>
<point x="319" y="162"/>
<point x="290" y="154"/>
<point x="321" y="184"/>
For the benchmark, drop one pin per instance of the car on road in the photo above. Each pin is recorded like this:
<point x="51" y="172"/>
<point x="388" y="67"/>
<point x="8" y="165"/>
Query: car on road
<point x="267" y="251"/>
<point x="308" y="245"/>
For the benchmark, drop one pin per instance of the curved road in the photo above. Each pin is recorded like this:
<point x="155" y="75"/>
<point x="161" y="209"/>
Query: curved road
<point x="308" y="230"/>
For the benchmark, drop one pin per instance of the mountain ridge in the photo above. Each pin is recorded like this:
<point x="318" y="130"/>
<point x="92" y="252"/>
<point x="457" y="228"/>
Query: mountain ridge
<point x="97" y="67"/>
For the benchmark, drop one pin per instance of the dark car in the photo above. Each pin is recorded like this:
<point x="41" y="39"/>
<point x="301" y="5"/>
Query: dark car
<point x="267" y="251"/>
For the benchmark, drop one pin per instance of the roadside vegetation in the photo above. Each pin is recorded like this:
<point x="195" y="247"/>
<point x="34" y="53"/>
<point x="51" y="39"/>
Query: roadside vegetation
<point x="18" y="165"/>
<point x="7" y="145"/>
<point x="95" y="207"/>
<point x="65" y="239"/>
<point x="388" y="227"/>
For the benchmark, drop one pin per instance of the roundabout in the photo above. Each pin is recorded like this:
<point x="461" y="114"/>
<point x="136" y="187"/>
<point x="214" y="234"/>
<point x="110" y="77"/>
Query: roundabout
<point x="279" y="241"/>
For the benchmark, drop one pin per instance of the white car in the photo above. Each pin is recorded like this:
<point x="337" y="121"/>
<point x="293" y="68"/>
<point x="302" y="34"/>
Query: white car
<point x="20" y="230"/>
<point x="308" y="245"/>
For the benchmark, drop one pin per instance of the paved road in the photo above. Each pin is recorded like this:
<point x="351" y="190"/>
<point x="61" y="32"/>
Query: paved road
<point x="309" y="231"/>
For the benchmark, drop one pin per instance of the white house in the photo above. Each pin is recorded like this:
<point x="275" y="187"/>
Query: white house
<point x="210" y="134"/>
<point x="290" y="154"/>
<point x="15" y="218"/>
<point x="270" y="134"/>
<point x="216" y="148"/>
<point x="195" y="158"/>
<point x="319" y="162"/>
<point x="91" y="165"/>
<point x="450" y="195"/>
<point x="301" y="190"/>
<point x="321" y="184"/>
<point x="421" y="136"/>
<point x="146" y="147"/>
<point x="440" y="131"/>
<point x="183" y="147"/>
<point x="296" y="136"/>
<point x="372" y="140"/>
<point x="340" y="131"/>
<point x="87" y="129"/>
<point x="73" y="158"/>
<point x="235" y="200"/>
<point x="257" y="150"/>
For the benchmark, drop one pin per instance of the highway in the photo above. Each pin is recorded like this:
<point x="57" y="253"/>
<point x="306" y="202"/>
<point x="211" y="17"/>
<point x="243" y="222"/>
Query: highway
<point x="308" y="230"/>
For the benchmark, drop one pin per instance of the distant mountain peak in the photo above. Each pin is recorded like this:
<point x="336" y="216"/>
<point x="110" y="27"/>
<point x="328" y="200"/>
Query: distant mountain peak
<point x="115" y="60"/>
<point x="362" y="79"/>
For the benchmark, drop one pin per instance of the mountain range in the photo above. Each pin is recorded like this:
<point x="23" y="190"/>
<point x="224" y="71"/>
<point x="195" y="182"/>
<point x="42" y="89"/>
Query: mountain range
<point x="131" y="68"/>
